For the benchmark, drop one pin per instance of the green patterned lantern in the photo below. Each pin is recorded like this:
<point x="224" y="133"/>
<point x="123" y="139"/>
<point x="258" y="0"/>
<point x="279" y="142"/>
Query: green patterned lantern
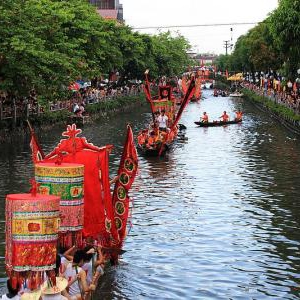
<point x="66" y="181"/>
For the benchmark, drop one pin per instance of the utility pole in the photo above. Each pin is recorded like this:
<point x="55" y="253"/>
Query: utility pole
<point x="226" y="46"/>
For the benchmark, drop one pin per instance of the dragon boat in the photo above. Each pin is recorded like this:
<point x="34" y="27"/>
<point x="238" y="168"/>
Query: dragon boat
<point x="216" y="123"/>
<point x="162" y="141"/>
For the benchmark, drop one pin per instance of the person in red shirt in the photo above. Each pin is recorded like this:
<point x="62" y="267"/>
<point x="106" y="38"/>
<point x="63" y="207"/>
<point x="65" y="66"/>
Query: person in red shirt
<point x="204" y="118"/>
<point x="239" y="115"/>
<point x="225" y="117"/>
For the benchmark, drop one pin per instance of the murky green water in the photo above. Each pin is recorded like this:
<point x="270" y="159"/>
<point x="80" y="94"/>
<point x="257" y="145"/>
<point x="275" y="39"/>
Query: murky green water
<point x="218" y="218"/>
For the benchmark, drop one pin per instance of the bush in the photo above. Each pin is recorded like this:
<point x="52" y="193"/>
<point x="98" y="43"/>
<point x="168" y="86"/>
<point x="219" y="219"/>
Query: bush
<point x="111" y="104"/>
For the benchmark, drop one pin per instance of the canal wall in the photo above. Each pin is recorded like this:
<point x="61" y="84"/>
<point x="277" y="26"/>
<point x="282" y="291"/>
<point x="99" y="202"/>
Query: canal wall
<point x="285" y="115"/>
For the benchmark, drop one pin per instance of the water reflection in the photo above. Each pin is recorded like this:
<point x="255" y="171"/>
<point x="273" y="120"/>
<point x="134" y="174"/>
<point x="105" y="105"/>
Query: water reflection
<point x="217" y="218"/>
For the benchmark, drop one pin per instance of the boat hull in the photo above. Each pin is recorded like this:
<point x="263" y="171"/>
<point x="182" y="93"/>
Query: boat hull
<point x="155" y="151"/>
<point x="219" y="123"/>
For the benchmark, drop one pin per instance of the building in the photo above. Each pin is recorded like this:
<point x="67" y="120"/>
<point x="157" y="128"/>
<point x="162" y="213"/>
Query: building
<point x="206" y="59"/>
<point x="109" y="9"/>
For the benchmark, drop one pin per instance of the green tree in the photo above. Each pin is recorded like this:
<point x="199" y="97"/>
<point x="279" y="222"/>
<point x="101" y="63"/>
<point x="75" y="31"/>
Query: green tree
<point x="285" y="27"/>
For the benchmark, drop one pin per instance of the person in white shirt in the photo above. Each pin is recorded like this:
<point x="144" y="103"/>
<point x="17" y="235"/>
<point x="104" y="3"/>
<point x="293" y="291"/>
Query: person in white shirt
<point x="76" y="277"/>
<point x="162" y="121"/>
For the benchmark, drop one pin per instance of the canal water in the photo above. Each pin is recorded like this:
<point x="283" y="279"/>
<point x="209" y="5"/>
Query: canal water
<point x="217" y="218"/>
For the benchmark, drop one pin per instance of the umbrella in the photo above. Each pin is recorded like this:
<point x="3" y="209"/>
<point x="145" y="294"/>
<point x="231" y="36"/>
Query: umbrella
<point x="236" y="77"/>
<point x="74" y="87"/>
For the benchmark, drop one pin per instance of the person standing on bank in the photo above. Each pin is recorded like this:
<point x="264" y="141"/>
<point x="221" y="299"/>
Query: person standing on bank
<point x="162" y="121"/>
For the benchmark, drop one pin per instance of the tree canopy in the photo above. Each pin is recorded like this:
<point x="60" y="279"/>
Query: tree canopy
<point x="271" y="45"/>
<point x="46" y="44"/>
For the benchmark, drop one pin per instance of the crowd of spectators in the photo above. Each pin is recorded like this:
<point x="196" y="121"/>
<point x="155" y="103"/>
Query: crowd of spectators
<point x="284" y="94"/>
<point x="84" y="95"/>
<point x="90" y="95"/>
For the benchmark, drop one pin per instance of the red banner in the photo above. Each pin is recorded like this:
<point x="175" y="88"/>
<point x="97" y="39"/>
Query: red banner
<point x="198" y="88"/>
<point x="148" y="95"/>
<point x="127" y="171"/>
<point x="37" y="152"/>
<point x="184" y="85"/>
<point x="190" y="92"/>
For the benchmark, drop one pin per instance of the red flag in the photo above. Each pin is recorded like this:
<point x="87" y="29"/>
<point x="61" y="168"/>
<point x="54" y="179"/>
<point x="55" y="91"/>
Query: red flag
<point x="190" y="92"/>
<point x="226" y="74"/>
<point x="184" y="85"/>
<point x="198" y="88"/>
<point x="148" y="94"/>
<point x="127" y="172"/>
<point x="37" y="152"/>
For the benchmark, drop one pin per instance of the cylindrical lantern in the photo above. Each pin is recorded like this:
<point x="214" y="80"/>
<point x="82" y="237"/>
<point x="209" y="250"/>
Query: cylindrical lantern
<point x="66" y="181"/>
<point x="32" y="223"/>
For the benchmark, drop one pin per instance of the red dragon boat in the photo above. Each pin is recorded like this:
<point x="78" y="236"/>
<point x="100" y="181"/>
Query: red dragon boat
<point x="162" y="140"/>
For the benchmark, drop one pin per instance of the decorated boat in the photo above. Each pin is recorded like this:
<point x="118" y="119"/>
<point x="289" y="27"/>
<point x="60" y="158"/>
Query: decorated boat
<point x="217" y="123"/>
<point x="185" y="81"/>
<point x="154" y="141"/>
<point x="78" y="172"/>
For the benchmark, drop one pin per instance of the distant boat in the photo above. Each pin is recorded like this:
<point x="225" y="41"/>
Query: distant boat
<point x="236" y="94"/>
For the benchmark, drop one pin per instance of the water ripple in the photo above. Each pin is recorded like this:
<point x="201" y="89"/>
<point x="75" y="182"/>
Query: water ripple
<point x="217" y="218"/>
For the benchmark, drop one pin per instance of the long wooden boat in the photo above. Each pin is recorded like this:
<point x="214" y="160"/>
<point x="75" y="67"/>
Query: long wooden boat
<point x="153" y="141"/>
<point x="217" y="123"/>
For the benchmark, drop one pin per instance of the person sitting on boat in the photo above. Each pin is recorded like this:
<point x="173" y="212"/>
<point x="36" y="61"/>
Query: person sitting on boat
<point x="151" y="140"/>
<point x="142" y="137"/>
<point x="162" y="121"/>
<point x="239" y="115"/>
<point x="224" y="117"/>
<point x="204" y="118"/>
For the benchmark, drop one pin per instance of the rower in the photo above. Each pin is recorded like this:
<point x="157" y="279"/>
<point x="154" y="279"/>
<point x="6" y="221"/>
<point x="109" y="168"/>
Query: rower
<point x="225" y="117"/>
<point x="142" y="138"/>
<point x="204" y="118"/>
<point x="239" y="115"/>
<point x="151" y="140"/>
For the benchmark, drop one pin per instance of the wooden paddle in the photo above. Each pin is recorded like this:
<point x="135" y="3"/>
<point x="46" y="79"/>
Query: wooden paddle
<point x="81" y="292"/>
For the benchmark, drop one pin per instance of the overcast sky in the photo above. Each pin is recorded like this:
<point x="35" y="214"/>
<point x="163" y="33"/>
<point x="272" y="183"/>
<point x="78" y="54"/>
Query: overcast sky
<point x="142" y="13"/>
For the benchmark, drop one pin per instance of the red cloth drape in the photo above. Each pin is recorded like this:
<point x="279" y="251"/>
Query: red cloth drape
<point x="98" y="208"/>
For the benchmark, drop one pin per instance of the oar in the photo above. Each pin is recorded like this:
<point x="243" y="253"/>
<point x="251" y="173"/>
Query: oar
<point x="81" y="292"/>
<point x="93" y="271"/>
<point x="114" y="250"/>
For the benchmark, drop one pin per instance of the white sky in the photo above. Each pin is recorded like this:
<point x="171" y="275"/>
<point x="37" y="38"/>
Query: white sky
<point x="142" y="13"/>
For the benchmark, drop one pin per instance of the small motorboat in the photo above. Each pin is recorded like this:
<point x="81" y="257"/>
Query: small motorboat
<point x="217" y="123"/>
<point x="236" y="94"/>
